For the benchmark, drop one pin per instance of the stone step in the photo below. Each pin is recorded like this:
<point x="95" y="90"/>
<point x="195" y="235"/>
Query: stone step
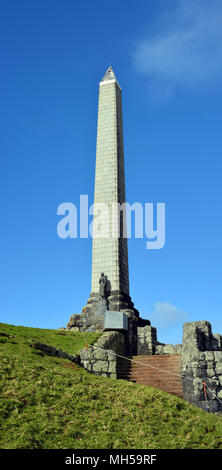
<point x="150" y="366"/>
<point x="152" y="357"/>
<point x="156" y="378"/>
<point x="153" y="383"/>
<point x="149" y="369"/>
<point x="161" y="386"/>
<point x="139" y="373"/>
<point x="135" y="363"/>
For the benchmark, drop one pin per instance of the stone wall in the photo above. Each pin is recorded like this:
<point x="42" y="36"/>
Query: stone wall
<point x="168" y="348"/>
<point x="147" y="343"/>
<point x="101" y="359"/>
<point x="202" y="362"/>
<point x="132" y="333"/>
<point x="146" y="340"/>
<point x="52" y="351"/>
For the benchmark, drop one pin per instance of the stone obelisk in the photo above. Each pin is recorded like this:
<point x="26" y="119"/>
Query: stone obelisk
<point x="109" y="254"/>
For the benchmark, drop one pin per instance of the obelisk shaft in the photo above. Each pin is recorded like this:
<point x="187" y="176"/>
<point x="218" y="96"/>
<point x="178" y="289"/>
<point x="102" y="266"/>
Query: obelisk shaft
<point x="110" y="254"/>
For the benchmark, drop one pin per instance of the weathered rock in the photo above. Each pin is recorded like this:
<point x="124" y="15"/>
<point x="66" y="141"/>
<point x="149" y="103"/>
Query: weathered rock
<point x="168" y="348"/>
<point x="112" y="367"/>
<point x="210" y="372"/>
<point x="146" y="340"/>
<point x="218" y="368"/>
<point x="218" y="356"/>
<point x="100" y="354"/>
<point x="100" y="366"/>
<point x="101" y="359"/>
<point x="111" y="356"/>
<point x="87" y="365"/>
<point x="201" y="362"/>
<point x="74" y="320"/>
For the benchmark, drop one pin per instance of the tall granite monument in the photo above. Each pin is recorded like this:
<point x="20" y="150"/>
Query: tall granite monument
<point x="109" y="306"/>
<point x="109" y="253"/>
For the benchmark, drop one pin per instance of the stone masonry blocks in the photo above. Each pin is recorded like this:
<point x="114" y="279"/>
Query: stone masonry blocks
<point x="110" y="255"/>
<point x="101" y="359"/>
<point x="202" y="362"/>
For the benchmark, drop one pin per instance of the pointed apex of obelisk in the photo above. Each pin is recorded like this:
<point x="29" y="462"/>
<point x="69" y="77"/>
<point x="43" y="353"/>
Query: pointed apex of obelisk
<point x="109" y="77"/>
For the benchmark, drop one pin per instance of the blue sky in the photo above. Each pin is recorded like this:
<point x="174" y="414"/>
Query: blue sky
<point x="167" y="58"/>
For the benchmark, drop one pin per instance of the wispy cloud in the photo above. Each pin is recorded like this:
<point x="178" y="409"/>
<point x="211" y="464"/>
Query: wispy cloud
<point x="185" y="50"/>
<point x="166" y="314"/>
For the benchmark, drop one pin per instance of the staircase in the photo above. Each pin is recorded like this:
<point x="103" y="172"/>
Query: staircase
<point x="148" y="372"/>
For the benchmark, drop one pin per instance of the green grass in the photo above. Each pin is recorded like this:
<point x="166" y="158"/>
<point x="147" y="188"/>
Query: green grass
<point x="68" y="341"/>
<point x="47" y="402"/>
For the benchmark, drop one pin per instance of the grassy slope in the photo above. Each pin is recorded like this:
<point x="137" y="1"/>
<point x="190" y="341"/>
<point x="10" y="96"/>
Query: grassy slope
<point x="48" y="402"/>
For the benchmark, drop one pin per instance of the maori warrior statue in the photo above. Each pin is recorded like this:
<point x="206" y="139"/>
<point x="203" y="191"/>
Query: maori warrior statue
<point x="102" y="286"/>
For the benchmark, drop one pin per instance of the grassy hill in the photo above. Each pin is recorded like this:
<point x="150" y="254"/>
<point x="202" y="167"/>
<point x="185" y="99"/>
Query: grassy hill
<point x="47" y="402"/>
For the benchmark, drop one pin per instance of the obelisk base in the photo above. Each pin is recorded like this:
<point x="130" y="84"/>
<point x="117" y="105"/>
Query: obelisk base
<point x="95" y="308"/>
<point x="118" y="300"/>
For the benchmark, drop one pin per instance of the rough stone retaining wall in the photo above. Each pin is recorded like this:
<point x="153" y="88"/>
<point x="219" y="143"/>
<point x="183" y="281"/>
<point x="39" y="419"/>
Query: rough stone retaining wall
<point x="146" y="340"/>
<point x="168" y="348"/>
<point x="202" y="362"/>
<point x="52" y="351"/>
<point x="147" y="343"/>
<point x="103" y="361"/>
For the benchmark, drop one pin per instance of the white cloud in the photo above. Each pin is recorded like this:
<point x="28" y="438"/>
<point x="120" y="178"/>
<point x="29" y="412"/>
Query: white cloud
<point x="166" y="314"/>
<point x="185" y="51"/>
